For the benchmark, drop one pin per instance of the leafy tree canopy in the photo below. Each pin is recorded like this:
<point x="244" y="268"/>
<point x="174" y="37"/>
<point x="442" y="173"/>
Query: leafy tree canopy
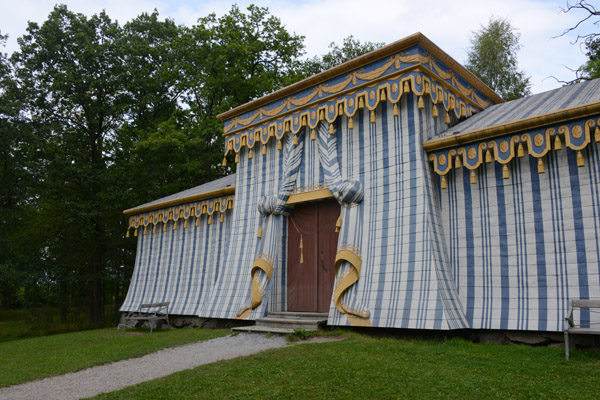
<point x="492" y="57"/>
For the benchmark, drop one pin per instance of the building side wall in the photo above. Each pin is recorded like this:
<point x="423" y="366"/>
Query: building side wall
<point x="178" y="266"/>
<point x="520" y="248"/>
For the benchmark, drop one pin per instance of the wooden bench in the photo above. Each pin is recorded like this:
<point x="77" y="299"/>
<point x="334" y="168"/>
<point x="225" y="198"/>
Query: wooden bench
<point x="572" y="327"/>
<point x="152" y="313"/>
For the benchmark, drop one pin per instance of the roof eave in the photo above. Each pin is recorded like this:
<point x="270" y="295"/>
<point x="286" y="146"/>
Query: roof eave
<point x="392" y="48"/>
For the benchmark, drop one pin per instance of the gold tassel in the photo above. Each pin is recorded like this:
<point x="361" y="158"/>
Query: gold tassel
<point x="222" y="217"/>
<point x="237" y="158"/>
<point x="488" y="156"/>
<point x="145" y="230"/>
<point x="286" y="127"/>
<point x="301" y="250"/>
<point x="185" y="224"/>
<point x="341" y="109"/>
<point x="321" y="115"/>
<point x="541" y="168"/>
<point x="361" y="103"/>
<point x="259" y="233"/>
<point x="250" y="154"/>
<point x="264" y="150"/>
<point x="444" y="184"/>
<point x="434" y="112"/>
<point x="197" y="221"/>
<point x="164" y="226"/>
<point x="210" y="219"/>
<point x="597" y="135"/>
<point x="295" y="140"/>
<point x="557" y="143"/>
<point x="313" y="134"/>
<point x="580" y="162"/>
<point x="174" y="225"/>
<point x="505" y="173"/>
<point x="373" y="116"/>
<point x="338" y="223"/>
<point x="127" y="234"/>
<point x="457" y="163"/>
<point x="153" y="228"/>
<point x="447" y="119"/>
<point x="303" y="123"/>
<point x="383" y="98"/>
<point x="331" y="129"/>
<point x="396" y="110"/>
<point x="406" y="87"/>
<point x="224" y="163"/>
<point x="350" y="123"/>
<point x="473" y="178"/>
<point x="420" y="103"/>
<point x="520" y="151"/>
<point x="135" y="232"/>
<point x="279" y="147"/>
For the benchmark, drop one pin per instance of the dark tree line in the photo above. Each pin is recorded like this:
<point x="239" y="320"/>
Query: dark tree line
<point x="96" y="117"/>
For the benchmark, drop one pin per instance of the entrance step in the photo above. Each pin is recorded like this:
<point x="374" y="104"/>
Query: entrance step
<point x="286" y="322"/>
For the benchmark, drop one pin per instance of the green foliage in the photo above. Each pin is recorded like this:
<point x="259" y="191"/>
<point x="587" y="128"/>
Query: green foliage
<point x="30" y="359"/>
<point x="591" y="69"/>
<point x="492" y="57"/>
<point x="361" y="367"/>
<point x="349" y="49"/>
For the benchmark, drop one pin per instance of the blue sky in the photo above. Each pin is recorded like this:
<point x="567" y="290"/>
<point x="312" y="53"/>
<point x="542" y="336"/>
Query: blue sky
<point x="448" y="24"/>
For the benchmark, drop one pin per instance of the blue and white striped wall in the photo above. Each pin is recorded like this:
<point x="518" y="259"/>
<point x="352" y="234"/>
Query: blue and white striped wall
<point x="520" y="248"/>
<point x="179" y="266"/>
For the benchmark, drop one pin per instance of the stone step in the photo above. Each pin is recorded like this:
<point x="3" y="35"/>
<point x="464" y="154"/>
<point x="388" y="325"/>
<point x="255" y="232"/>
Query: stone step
<point x="308" y="324"/>
<point x="263" y="329"/>
<point x="298" y="315"/>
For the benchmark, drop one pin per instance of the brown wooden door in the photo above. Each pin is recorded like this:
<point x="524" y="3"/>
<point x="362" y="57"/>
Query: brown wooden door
<point x="311" y="275"/>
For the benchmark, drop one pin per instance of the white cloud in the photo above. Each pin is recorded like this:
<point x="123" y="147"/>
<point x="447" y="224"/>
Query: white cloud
<point x="448" y="24"/>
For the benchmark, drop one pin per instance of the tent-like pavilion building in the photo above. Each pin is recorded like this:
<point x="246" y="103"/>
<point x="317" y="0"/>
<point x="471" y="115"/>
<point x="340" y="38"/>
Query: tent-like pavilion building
<point x="394" y="190"/>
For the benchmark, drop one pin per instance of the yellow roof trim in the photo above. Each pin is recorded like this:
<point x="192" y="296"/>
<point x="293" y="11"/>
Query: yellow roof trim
<point x="513" y="126"/>
<point x="392" y="48"/>
<point x="182" y="200"/>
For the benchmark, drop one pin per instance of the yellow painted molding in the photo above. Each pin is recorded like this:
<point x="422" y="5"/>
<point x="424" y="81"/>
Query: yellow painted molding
<point x="182" y="200"/>
<point x="310" y="196"/>
<point x="385" y="51"/>
<point x="537" y="121"/>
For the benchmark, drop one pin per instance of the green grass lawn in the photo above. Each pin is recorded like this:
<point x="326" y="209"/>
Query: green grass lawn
<point x="35" y="358"/>
<point x="362" y="367"/>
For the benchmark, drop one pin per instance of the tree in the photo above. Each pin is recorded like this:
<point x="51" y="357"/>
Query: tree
<point x="492" y="57"/>
<point x="350" y="49"/>
<point x="591" y="41"/>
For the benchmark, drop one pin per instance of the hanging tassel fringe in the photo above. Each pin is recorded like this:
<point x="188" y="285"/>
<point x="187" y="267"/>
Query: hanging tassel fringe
<point x="264" y="150"/>
<point x="420" y="103"/>
<point x="473" y="178"/>
<point x="350" y="123"/>
<point x="373" y="116"/>
<point x="457" y="163"/>
<point x="520" y="151"/>
<point x="279" y="147"/>
<point x="557" y="143"/>
<point x="488" y="156"/>
<point x="295" y="140"/>
<point x="210" y="219"/>
<point x="396" y="110"/>
<point x="338" y="224"/>
<point x="331" y="129"/>
<point x="259" y="233"/>
<point x="313" y="134"/>
<point x="361" y="103"/>
<point x="382" y="97"/>
<point x="597" y="135"/>
<point x="174" y="225"/>
<point x="505" y="173"/>
<point x="185" y="224"/>
<point x="222" y="217"/>
<point x="237" y="158"/>
<point x="224" y="163"/>
<point x="447" y="119"/>
<point x="135" y="232"/>
<point x="434" y="112"/>
<point x="164" y="226"/>
<point x="541" y="168"/>
<point x="443" y="184"/>
<point x="580" y="162"/>
<point x="406" y="87"/>
<point x="250" y="154"/>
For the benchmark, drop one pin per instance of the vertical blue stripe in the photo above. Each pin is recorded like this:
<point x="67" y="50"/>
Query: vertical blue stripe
<point x="540" y="246"/>
<point x="470" y="250"/>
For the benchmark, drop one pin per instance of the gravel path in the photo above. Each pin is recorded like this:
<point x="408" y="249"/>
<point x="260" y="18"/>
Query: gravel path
<point x="115" y="376"/>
